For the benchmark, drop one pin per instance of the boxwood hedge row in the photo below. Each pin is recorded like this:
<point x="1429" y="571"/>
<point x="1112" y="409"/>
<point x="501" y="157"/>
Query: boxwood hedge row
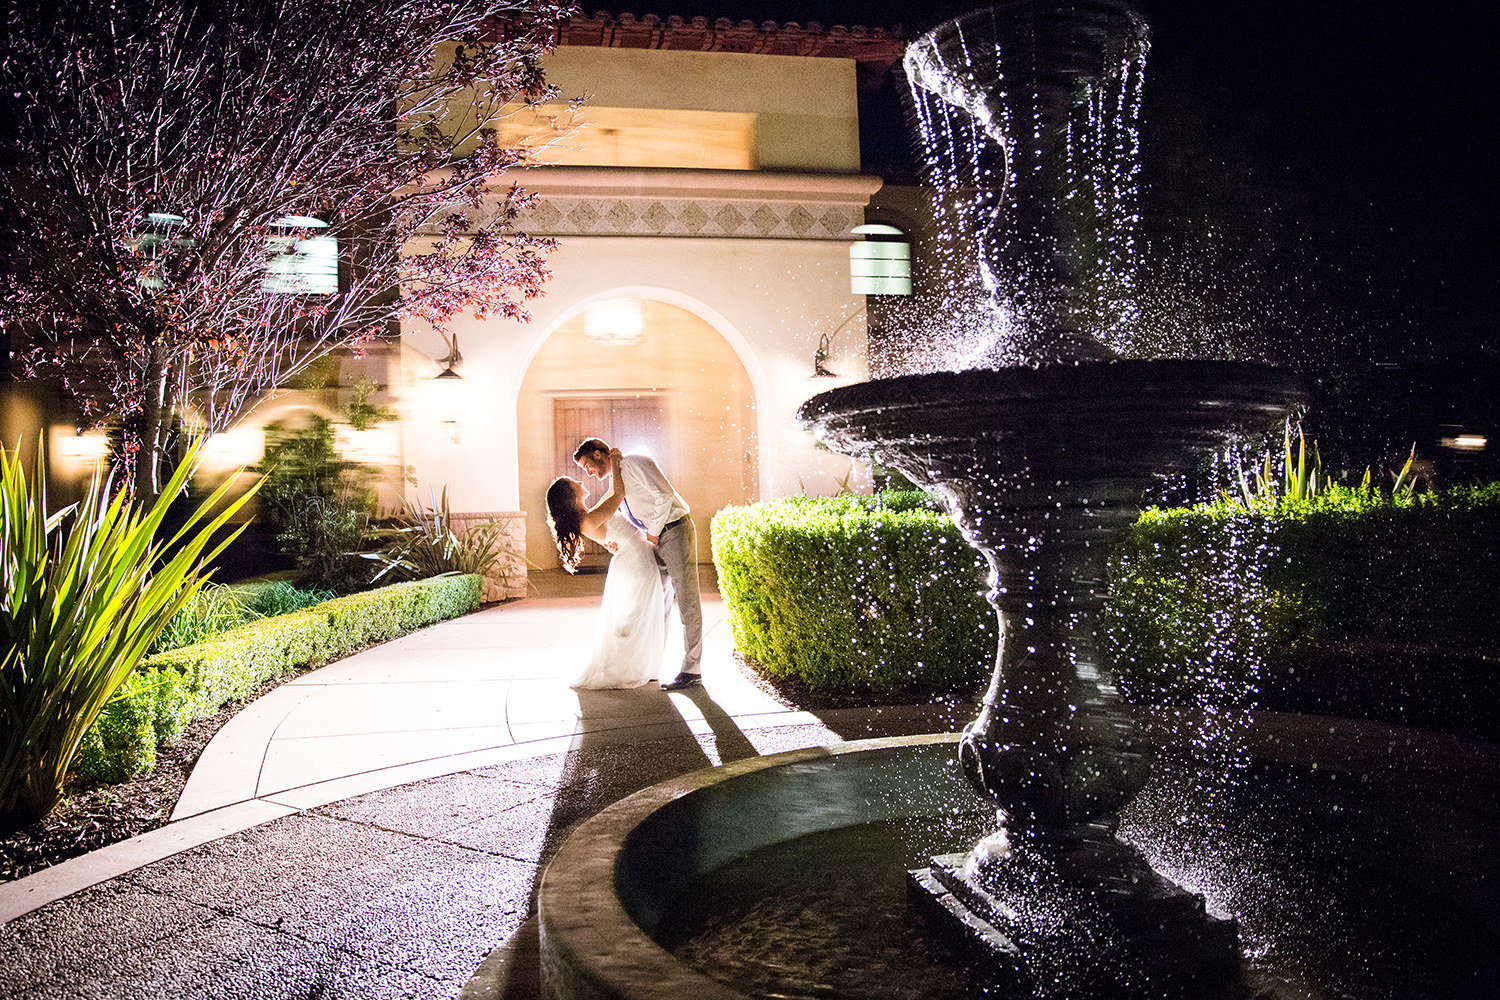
<point x="1297" y="605"/>
<point x="171" y="689"/>
<point x="854" y="593"/>
<point x="1350" y="603"/>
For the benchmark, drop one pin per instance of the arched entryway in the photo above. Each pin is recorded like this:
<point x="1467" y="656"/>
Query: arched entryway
<point x="644" y="375"/>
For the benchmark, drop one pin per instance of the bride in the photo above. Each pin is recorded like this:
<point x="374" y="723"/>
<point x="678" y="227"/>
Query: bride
<point x="632" y="622"/>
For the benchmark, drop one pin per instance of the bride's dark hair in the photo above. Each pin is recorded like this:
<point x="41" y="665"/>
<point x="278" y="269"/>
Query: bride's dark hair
<point x="565" y="518"/>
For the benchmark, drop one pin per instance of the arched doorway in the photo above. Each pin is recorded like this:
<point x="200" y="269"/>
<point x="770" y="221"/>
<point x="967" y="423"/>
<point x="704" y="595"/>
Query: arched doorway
<point x="644" y="375"/>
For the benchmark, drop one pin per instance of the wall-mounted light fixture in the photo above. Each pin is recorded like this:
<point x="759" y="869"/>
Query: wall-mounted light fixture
<point x="825" y="346"/>
<point x="450" y="360"/>
<point x="880" y="264"/>
<point x="820" y="359"/>
<point x="163" y="230"/>
<point x="301" y="264"/>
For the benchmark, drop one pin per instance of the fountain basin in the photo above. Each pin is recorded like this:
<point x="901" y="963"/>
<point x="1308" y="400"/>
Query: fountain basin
<point x="1112" y="426"/>
<point x="1341" y="847"/>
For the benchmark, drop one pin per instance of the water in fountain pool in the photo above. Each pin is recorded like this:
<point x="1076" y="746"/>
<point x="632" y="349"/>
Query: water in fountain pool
<point x="1345" y="885"/>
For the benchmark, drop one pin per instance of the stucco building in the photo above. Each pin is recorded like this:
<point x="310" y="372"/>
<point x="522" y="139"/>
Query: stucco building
<point x="704" y="197"/>
<point x="703" y="180"/>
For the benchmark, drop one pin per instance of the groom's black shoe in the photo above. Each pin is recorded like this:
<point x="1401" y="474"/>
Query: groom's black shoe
<point x="682" y="682"/>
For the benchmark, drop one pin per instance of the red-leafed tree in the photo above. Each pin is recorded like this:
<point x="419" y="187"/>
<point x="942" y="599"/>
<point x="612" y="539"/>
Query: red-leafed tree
<point x="168" y="168"/>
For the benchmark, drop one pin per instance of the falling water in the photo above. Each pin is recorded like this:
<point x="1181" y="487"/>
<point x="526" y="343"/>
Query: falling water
<point x="1036" y="208"/>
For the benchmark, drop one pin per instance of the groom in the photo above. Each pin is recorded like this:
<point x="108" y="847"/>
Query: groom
<point x="654" y="506"/>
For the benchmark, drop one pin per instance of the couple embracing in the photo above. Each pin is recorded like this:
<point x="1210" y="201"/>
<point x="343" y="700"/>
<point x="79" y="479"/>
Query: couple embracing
<point x="645" y="525"/>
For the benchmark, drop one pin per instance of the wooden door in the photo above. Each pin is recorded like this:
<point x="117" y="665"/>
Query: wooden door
<point x="630" y="423"/>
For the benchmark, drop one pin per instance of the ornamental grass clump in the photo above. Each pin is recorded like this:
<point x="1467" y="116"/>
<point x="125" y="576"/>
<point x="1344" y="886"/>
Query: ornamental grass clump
<point x="213" y="609"/>
<point x="84" y="592"/>
<point x="421" y="543"/>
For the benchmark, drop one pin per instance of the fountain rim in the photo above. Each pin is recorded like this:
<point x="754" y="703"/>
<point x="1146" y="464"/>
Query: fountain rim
<point x="1186" y="377"/>
<point x="583" y="923"/>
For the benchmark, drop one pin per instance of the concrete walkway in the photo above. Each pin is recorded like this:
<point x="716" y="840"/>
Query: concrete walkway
<point x="375" y="827"/>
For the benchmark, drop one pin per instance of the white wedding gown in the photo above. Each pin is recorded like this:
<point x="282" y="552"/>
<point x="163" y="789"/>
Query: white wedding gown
<point x="632" y="617"/>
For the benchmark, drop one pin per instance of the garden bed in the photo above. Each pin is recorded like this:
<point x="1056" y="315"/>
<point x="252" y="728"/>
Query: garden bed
<point x="172" y="689"/>
<point x="203" y="686"/>
<point x="96" y="814"/>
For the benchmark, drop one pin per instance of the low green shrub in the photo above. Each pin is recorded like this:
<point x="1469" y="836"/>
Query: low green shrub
<point x="855" y="593"/>
<point x="1197" y="605"/>
<point x="1214" y="604"/>
<point x="173" y="688"/>
<point x="1220" y="603"/>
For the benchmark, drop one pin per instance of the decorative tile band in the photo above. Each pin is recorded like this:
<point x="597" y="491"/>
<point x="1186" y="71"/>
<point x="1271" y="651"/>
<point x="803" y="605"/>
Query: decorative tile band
<point x="672" y="217"/>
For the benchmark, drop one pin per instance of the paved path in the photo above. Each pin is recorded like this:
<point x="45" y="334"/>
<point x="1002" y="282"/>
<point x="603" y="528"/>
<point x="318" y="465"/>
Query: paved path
<point x="375" y="828"/>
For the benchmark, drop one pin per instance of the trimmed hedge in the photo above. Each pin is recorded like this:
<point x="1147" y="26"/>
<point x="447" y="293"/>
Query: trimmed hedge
<point x="855" y="593"/>
<point x="1350" y="603"/>
<point x="171" y="689"/>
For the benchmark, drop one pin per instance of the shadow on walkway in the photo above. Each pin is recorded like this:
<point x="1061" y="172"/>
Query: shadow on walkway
<point x="601" y="767"/>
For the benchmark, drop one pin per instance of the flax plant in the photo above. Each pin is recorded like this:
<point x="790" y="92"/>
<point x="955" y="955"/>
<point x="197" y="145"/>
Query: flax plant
<point x="423" y="543"/>
<point x="83" y="594"/>
<point x="1296" y="482"/>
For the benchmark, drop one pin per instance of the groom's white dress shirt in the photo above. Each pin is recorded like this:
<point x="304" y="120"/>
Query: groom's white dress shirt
<point x="650" y="500"/>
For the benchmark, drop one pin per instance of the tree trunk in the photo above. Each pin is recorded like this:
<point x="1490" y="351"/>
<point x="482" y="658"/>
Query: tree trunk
<point x="151" y="432"/>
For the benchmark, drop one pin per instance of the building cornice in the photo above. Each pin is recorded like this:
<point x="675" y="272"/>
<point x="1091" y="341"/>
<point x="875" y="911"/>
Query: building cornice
<point x="720" y="185"/>
<point x="876" y="50"/>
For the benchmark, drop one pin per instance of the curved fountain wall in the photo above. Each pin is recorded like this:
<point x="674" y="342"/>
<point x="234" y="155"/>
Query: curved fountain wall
<point x="607" y="891"/>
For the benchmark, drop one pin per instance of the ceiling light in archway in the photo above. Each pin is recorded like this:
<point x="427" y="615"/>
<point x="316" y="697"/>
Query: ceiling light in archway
<point x="615" y="322"/>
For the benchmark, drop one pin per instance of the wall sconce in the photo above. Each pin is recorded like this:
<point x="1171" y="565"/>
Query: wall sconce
<point x="880" y="264"/>
<point x="449" y="360"/>
<point x="820" y="357"/>
<point x="825" y="346"/>
<point x="301" y="264"/>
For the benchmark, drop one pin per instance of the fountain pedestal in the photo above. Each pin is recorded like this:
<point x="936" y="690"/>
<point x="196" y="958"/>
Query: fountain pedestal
<point x="1043" y="469"/>
<point x="1089" y="916"/>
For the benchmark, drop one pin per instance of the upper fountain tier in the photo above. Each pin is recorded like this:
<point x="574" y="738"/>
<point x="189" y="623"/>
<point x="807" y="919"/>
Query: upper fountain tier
<point x="1056" y="48"/>
<point x="1051" y="201"/>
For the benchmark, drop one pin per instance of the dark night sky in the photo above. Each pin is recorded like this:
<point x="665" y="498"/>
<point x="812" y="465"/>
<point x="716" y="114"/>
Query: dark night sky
<point x="1375" y="121"/>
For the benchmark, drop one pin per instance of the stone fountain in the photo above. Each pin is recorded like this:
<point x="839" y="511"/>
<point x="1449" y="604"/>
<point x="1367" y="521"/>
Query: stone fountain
<point x="1043" y="468"/>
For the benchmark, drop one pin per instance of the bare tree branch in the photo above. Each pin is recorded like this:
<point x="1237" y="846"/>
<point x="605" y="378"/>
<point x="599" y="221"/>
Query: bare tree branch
<point x="150" y="148"/>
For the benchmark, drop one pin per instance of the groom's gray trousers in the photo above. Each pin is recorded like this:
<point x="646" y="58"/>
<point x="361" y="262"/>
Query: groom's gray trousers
<point x="677" y="558"/>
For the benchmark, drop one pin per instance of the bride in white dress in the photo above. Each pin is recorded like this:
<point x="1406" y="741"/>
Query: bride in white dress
<point x="632" y="617"/>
